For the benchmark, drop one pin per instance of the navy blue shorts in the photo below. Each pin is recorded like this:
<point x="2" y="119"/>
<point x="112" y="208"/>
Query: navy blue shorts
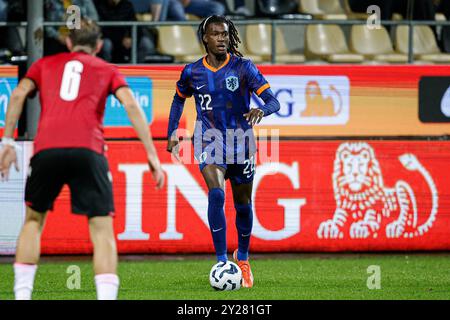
<point x="237" y="173"/>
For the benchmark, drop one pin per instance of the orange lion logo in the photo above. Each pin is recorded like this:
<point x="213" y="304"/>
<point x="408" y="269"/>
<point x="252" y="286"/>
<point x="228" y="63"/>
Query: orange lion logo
<point x="363" y="201"/>
<point x="317" y="105"/>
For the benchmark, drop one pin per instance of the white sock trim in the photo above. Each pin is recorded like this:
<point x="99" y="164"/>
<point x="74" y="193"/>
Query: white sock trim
<point x="24" y="280"/>
<point x="107" y="285"/>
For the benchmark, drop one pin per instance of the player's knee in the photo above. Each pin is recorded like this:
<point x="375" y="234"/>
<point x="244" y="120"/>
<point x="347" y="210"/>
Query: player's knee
<point x="216" y="196"/>
<point x="101" y="228"/>
<point x="103" y="241"/>
<point x="243" y="209"/>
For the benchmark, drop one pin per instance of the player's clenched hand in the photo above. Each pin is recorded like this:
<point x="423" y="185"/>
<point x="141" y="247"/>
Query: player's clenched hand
<point x="157" y="172"/>
<point x="254" y="116"/>
<point x="158" y="176"/>
<point x="8" y="156"/>
<point x="173" y="146"/>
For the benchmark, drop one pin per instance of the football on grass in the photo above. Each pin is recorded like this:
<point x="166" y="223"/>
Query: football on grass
<point x="225" y="276"/>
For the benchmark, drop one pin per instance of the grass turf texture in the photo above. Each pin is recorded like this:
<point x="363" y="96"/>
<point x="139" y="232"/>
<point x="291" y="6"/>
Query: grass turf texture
<point x="302" y="277"/>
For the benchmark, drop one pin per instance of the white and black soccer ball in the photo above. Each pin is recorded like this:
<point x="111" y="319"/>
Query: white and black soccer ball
<point x="225" y="276"/>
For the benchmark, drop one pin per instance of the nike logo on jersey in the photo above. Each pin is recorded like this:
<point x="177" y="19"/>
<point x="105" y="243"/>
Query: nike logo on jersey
<point x="216" y="230"/>
<point x="199" y="87"/>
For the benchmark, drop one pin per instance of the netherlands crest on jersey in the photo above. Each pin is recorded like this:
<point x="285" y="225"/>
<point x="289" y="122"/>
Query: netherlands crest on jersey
<point x="232" y="83"/>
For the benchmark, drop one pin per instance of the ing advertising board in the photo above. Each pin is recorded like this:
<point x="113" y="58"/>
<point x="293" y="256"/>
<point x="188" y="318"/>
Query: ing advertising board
<point x="317" y="196"/>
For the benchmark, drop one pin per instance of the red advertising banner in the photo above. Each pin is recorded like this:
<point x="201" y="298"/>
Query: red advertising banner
<point x="317" y="196"/>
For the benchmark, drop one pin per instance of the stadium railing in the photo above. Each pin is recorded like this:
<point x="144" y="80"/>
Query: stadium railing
<point x="273" y="22"/>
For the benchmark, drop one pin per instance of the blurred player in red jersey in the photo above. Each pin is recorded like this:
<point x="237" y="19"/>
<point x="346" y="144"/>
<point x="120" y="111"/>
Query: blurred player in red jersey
<point x="69" y="148"/>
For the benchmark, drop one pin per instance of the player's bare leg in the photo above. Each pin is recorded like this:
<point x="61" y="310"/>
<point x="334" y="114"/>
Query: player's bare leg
<point x="27" y="254"/>
<point x="105" y="257"/>
<point x="215" y="179"/>
<point x="242" y="196"/>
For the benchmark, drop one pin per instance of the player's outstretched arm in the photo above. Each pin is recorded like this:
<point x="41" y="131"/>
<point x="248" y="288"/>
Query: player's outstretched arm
<point x="16" y="103"/>
<point x="176" y="110"/>
<point x="8" y="154"/>
<point x="139" y="122"/>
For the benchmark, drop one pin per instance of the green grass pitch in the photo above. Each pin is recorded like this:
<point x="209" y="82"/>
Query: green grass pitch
<point x="294" y="277"/>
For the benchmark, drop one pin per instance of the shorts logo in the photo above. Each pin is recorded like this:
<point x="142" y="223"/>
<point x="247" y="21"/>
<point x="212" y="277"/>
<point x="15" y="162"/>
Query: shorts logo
<point x="363" y="202"/>
<point x="232" y="83"/>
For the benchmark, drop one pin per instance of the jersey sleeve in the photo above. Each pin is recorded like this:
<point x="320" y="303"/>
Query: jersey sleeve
<point x="183" y="87"/>
<point x="117" y="81"/>
<point x="34" y="73"/>
<point x="256" y="81"/>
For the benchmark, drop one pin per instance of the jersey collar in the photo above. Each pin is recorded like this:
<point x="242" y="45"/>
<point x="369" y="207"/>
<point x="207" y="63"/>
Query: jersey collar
<point x="205" y="63"/>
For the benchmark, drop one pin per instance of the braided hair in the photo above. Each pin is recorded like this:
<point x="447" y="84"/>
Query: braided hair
<point x="233" y="33"/>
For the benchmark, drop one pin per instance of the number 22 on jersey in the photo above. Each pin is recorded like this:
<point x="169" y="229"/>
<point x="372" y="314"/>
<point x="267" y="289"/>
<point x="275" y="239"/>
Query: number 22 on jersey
<point x="205" y="100"/>
<point x="70" y="84"/>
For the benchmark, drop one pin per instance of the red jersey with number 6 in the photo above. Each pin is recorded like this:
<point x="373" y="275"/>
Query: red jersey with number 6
<point x="73" y="90"/>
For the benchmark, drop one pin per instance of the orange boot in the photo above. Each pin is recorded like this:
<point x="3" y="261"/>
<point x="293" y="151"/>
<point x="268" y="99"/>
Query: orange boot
<point x="247" y="275"/>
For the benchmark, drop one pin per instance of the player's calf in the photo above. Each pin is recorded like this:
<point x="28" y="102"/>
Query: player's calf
<point x="27" y="254"/>
<point x="217" y="222"/>
<point x="105" y="257"/>
<point x="244" y="225"/>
